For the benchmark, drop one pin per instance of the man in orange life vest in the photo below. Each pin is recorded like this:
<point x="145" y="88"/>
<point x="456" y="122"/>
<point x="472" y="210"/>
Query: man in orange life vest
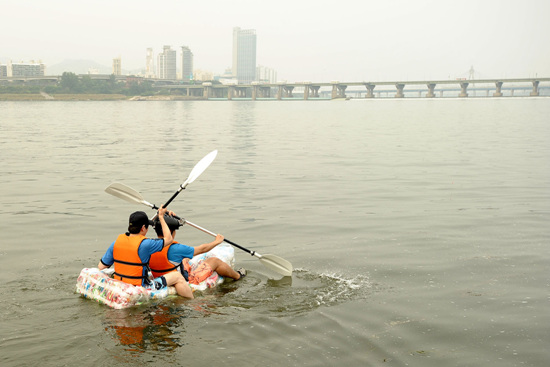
<point x="131" y="251"/>
<point x="175" y="258"/>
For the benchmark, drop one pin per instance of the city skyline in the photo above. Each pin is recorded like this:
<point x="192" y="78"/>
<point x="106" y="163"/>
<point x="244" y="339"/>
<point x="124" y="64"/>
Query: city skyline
<point x="351" y="40"/>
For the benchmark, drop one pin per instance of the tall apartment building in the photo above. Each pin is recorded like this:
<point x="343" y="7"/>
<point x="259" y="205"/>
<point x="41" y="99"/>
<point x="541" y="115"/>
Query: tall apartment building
<point x="149" y="64"/>
<point x="167" y="64"/>
<point x="117" y="66"/>
<point x="265" y="74"/>
<point x="3" y="71"/>
<point x="186" y="63"/>
<point x="244" y="55"/>
<point x="25" y="69"/>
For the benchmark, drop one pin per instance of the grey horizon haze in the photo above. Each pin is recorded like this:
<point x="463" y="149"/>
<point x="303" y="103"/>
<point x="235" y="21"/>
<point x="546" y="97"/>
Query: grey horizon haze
<point x="319" y="41"/>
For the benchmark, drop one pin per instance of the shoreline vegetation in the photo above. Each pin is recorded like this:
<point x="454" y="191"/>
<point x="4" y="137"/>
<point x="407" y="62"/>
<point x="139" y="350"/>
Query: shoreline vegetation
<point x="72" y="87"/>
<point x="89" y="97"/>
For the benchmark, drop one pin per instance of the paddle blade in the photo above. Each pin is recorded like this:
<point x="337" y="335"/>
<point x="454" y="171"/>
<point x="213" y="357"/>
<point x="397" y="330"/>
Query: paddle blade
<point x="277" y="264"/>
<point x="201" y="166"/>
<point x="125" y="193"/>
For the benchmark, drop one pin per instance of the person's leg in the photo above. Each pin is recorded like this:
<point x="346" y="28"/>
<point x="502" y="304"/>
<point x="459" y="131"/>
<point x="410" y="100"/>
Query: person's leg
<point x="222" y="268"/>
<point x="177" y="280"/>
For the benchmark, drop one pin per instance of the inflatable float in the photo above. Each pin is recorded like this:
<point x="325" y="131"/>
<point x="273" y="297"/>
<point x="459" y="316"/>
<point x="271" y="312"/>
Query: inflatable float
<point x="98" y="284"/>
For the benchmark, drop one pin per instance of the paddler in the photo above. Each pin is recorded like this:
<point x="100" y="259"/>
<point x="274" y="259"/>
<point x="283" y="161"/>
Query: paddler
<point x="131" y="251"/>
<point x="175" y="258"/>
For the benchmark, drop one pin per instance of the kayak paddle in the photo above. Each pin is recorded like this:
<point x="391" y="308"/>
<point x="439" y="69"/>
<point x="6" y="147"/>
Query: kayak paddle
<point x="273" y="262"/>
<point x="127" y="193"/>
<point x="195" y="172"/>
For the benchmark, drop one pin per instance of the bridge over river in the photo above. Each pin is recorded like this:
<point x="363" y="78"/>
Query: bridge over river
<point x="325" y="90"/>
<point x="337" y="90"/>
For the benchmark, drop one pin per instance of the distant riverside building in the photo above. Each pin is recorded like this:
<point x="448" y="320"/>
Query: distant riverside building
<point x="167" y="64"/>
<point x="265" y="74"/>
<point x="117" y="66"/>
<point x="244" y="55"/>
<point x="25" y="69"/>
<point x="202" y="75"/>
<point x="186" y="63"/>
<point x="3" y="71"/>
<point x="149" y="64"/>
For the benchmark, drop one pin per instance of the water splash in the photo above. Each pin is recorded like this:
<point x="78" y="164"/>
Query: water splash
<point x="304" y="292"/>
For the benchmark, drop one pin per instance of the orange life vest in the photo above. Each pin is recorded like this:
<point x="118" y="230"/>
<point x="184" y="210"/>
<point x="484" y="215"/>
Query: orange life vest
<point x="160" y="264"/>
<point x="128" y="265"/>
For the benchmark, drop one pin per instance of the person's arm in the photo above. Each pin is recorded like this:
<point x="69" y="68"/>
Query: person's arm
<point x="166" y="234"/>
<point x="205" y="247"/>
<point x="107" y="258"/>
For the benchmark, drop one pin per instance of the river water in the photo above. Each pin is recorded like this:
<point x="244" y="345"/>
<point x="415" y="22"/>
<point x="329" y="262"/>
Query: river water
<point x="418" y="230"/>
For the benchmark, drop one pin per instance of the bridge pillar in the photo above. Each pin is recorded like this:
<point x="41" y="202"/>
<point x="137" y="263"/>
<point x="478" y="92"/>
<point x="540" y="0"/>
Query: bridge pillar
<point x="315" y="90"/>
<point x="370" y="90"/>
<point x="431" y="89"/>
<point x="230" y="92"/>
<point x="306" y="91"/>
<point x="535" y="91"/>
<point x="255" y="90"/>
<point x="207" y="90"/>
<point x="265" y="92"/>
<point x="464" y="89"/>
<point x="399" y="93"/>
<point x="498" y="92"/>
<point x="288" y="91"/>
<point x="334" y="90"/>
<point x="338" y="90"/>
<point x="280" y="91"/>
<point x="342" y="90"/>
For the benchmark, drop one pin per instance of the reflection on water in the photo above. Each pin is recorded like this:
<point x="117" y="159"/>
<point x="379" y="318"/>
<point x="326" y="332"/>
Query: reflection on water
<point x="139" y="330"/>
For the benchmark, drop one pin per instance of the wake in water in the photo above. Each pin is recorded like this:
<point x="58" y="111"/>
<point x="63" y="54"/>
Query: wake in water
<point x="304" y="292"/>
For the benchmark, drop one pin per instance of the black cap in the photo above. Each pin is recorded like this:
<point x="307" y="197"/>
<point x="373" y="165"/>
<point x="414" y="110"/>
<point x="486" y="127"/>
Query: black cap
<point x="137" y="220"/>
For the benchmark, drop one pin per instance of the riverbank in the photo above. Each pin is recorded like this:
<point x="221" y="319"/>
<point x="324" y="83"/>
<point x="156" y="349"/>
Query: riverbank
<point x="89" y="97"/>
<point x="62" y="97"/>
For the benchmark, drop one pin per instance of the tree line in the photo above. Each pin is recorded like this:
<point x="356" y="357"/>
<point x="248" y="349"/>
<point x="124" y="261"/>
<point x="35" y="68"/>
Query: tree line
<point x="70" y="83"/>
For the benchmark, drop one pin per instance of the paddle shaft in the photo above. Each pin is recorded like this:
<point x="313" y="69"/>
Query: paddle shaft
<point x="182" y="187"/>
<point x="199" y="168"/>
<point x="225" y="239"/>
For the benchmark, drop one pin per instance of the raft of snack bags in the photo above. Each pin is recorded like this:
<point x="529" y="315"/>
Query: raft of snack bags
<point x="224" y="252"/>
<point x="98" y="285"/>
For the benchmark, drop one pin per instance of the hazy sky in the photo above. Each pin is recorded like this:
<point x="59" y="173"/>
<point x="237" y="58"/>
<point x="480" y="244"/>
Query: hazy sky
<point x="345" y="40"/>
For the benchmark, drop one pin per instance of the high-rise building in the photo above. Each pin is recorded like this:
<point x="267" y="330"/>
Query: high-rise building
<point x="3" y="71"/>
<point x="186" y="63"/>
<point x="167" y="64"/>
<point x="25" y="69"/>
<point x="117" y="66"/>
<point x="244" y="55"/>
<point x="149" y="64"/>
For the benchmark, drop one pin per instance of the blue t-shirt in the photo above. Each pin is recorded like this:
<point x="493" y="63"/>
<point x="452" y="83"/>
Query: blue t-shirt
<point x="147" y="247"/>
<point x="177" y="252"/>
